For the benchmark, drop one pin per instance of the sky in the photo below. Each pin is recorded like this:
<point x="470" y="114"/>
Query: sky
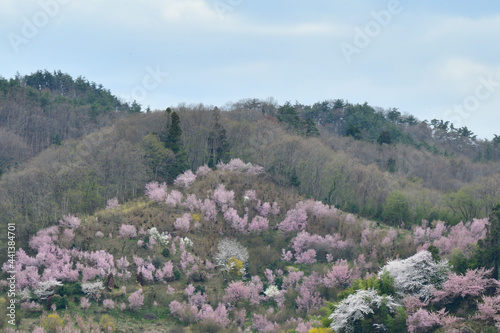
<point x="434" y="59"/>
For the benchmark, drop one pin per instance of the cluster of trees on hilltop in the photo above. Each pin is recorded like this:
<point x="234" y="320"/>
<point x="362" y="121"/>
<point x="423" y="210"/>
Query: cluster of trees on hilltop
<point x="44" y="108"/>
<point x="376" y="125"/>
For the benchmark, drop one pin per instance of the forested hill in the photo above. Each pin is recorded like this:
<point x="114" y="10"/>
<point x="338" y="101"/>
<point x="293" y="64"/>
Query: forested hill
<point x="254" y="215"/>
<point x="45" y="108"/>
<point x="379" y="164"/>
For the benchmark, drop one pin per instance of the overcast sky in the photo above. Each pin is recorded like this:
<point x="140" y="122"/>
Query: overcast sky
<point x="433" y="59"/>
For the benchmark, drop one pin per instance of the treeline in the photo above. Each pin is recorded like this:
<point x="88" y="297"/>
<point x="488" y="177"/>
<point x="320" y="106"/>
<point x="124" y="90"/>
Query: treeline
<point x="365" y="123"/>
<point x="43" y="109"/>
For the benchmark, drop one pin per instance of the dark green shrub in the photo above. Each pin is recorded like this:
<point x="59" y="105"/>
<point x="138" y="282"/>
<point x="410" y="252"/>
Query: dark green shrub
<point x="177" y="275"/>
<point x="60" y="302"/>
<point x="156" y="262"/>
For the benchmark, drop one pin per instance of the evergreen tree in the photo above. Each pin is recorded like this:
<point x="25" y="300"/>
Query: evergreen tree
<point x="288" y="115"/>
<point x="163" y="135"/>
<point x="355" y="132"/>
<point x="56" y="140"/>
<point x="174" y="143"/>
<point x="311" y="129"/>
<point x="488" y="249"/>
<point x="384" y="137"/>
<point x="218" y="145"/>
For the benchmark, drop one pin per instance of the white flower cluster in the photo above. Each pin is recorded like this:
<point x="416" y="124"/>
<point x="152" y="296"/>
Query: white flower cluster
<point x="93" y="289"/>
<point x="356" y="306"/>
<point x="230" y="248"/>
<point x="25" y="294"/>
<point x="417" y="275"/>
<point x="163" y="238"/>
<point x="272" y="291"/>
<point x="46" y="288"/>
<point x="187" y="242"/>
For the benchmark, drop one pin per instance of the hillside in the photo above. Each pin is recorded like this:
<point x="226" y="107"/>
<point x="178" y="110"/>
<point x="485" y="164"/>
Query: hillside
<point x="227" y="248"/>
<point x="44" y="108"/>
<point x="254" y="216"/>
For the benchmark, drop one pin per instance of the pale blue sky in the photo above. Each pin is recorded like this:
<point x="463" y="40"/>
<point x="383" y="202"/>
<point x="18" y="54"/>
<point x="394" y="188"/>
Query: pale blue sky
<point x="433" y="59"/>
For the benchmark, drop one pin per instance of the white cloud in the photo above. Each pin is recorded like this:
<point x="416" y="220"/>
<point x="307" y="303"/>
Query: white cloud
<point x="190" y="10"/>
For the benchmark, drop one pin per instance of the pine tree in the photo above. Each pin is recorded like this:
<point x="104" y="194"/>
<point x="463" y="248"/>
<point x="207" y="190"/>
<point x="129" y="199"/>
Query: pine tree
<point x="289" y="115"/>
<point x="218" y="145"/>
<point x="384" y="137"/>
<point x="488" y="249"/>
<point x="311" y="129"/>
<point x="174" y="143"/>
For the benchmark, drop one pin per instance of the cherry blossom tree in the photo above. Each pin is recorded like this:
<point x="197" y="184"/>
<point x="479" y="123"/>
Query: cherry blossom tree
<point x="422" y="321"/>
<point x="308" y="298"/>
<point x="128" y="231"/>
<point x="489" y="309"/>
<point x="156" y="192"/>
<point x="185" y="179"/>
<point x="307" y="257"/>
<point x="223" y="197"/>
<point x="70" y="221"/>
<point x="84" y="303"/>
<point x="112" y="204"/>
<point x="174" y="198"/>
<point x="108" y="304"/>
<point x="219" y="316"/>
<point x="259" y="223"/>
<point x="209" y="210"/>
<point x="203" y="170"/>
<point x="136" y="300"/>
<point x="250" y="195"/>
<point x="261" y="324"/>
<point x="472" y="284"/>
<point x="182" y="223"/>
<point x="192" y="203"/>
<point x="339" y="275"/>
<point x="296" y="220"/>
<point x="237" y="222"/>
<point x="236" y="291"/>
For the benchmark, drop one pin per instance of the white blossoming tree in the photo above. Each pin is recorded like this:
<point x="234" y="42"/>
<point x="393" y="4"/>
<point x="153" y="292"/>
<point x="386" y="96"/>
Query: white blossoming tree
<point x="93" y="289"/>
<point x="350" y="311"/>
<point x="417" y="275"/>
<point x="227" y="251"/>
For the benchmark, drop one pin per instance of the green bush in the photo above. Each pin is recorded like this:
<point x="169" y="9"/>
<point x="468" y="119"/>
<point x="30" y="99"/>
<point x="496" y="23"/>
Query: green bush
<point x="59" y="301"/>
<point x="77" y="289"/>
<point x="156" y="262"/>
<point x="177" y="275"/>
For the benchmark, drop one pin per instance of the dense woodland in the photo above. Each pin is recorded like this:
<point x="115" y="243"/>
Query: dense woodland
<point x="320" y="197"/>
